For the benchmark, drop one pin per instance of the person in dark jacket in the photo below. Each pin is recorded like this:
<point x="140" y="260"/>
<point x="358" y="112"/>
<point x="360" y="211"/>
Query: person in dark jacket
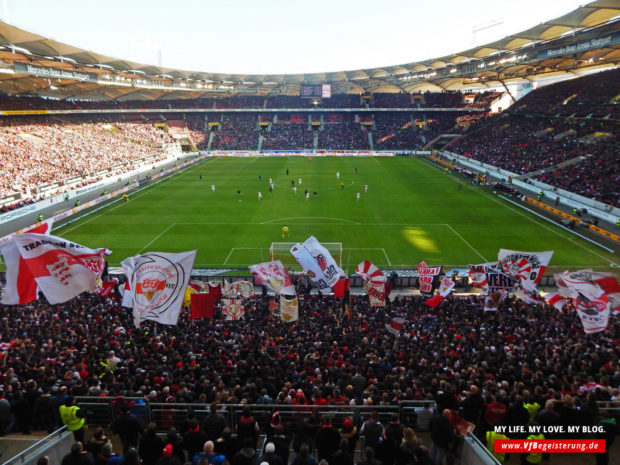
<point x="247" y="427"/>
<point x="127" y="427"/>
<point x="168" y="457"/>
<point x="372" y="430"/>
<point x="247" y="454"/>
<point x="270" y="456"/>
<point x="151" y="446"/>
<point x="193" y="439"/>
<point x="96" y="442"/>
<point x="303" y="457"/>
<point x="473" y="405"/>
<point x="442" y="435"/>
<point x="342" y="455"/>
<point x="227" y="445"/>
<point x="369" y="457"/>
<point x="107" y="456"/>
<point x="214" y="423"/>
<point x="173" y="439"/>
<point x="327" y="439"/>
<point x="78" y="456"/>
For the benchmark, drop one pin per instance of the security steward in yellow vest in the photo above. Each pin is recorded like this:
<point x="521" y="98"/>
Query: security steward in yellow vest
<point x="492" y="436"/>
<point x="73" y="418"/>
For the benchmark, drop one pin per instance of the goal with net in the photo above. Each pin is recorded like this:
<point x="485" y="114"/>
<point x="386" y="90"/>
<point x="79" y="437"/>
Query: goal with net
<point x="282" y="251"/>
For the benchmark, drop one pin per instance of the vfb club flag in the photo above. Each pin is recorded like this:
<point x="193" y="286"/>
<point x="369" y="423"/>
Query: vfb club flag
<point x="374" y="282"/>
<point x="21" y="287"/>
<point x="61" y="268"/>
<point x="526" y="267"/>
<point x="157" y="282"/>
<point x="317" y="262"/>
<point x="426" y="278"/>
<point x="274" y="277"/>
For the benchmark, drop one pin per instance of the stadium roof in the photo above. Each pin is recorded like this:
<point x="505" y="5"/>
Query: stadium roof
<point x="518" y="57"/>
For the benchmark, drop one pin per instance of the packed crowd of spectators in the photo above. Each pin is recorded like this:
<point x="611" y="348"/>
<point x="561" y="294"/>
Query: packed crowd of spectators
<point x="237" y="132"/>
<point x="288" y="136"/>
<point x="483" y="371"/>
<point x="395" y="131"/>
<point x="377" y="100"/>
<point x="595" y="95"/>
<point x="346" y="135"/>
<point x="37" y="151"/>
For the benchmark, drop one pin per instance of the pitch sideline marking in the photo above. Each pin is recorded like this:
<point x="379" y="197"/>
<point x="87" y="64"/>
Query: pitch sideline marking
<point x="157" y="237"/>
<point x="386" y="257"/>
<point x="467" y="243"/>
<point x="569" y="239"/>
<point x="147" y="189"/>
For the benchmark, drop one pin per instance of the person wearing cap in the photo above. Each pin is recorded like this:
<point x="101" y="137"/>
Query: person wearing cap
<point x="350" y="433"/>
<point x="73" y="418"/>
<point x="270" y="457"/>
<point x="209" y="455"/>
<point x="168" y="457"/>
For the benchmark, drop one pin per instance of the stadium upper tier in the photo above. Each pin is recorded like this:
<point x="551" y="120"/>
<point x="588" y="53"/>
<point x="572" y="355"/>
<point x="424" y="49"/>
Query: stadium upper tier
<point x="582" y="40"/>
<point x="479" y="100"/>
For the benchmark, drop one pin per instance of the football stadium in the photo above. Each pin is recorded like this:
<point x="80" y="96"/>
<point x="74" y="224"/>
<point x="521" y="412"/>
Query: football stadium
<point x="394" y="265"/>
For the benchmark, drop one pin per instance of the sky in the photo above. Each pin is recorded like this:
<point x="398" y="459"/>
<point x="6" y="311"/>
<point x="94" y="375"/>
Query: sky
<point x="279" y="36"/>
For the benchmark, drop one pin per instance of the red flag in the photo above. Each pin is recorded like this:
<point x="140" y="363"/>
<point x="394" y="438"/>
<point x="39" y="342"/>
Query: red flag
<point x="273" y="305"/>
<point x="216" y="290"/>
<point x="106" y="288"/>
<point x="202" y="305"/>
<point x="395" y="326"/>
<point x="342" y="287"/>
<point x="21" y="287"/>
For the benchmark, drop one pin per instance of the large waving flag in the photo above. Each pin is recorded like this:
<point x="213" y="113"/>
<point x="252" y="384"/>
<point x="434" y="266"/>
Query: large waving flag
<point x="445" y="288"/>
<point x="426" y="278"/>
<point x="374" y="282"/>
<point x="478" y="275"/>
<point x="238" y="288"/>
<point x="273" y="276"/>
<point x="157" y="282"/>
<point x="526" y="267"/>
<point x="590" y="300"/>
<point x="289" y="309"/>
<point x="317" y="262"/>
<point x="61" y="268"/>
<point x="21" y="287"/>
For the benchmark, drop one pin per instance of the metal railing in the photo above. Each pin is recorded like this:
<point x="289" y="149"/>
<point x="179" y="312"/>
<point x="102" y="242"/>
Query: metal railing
<point x="39" y="447"/>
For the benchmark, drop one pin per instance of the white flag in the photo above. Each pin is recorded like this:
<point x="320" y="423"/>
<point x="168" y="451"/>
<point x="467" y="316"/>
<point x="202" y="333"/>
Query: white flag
<point x="233" y="309"/>
<point x="317" y="262"/>
<point x="395" y="326"/>
<point x="289" y="309"/>
<point x="157" y="282"/>
<point x="61" y="268"/>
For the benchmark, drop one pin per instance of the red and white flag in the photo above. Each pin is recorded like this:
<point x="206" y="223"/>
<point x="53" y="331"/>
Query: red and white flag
<point x="426" y="277"/>
<point x="478" y="275"/>
<point x="61" y="268"/>
<point x="21" y="287"/>
<point x="526" y="267"/>
<point x="7" y="345"/>
<point x="395" y="326"/>
<point x="445" y="288"/>
<point x="374" y="282"/>
<point x="233" y="309"/>
<point x="556" y="300"/>
<point x="587" y="296"/>
<point x="157" y="282"/>
<point x="273" y="276"/>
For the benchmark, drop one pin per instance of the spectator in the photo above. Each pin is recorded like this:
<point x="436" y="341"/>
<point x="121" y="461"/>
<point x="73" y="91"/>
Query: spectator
<point x="209" y="455"/>
<point x="78" y="456"/>
<point x="214" y="423"/>
<point x="127" y="427"/>
<point x="270" y="456"/>
<point x="96" y="442"/>
<point x="303" y="457"/>
<point x="442" y="435"/>
<point x="168" y="457"/>
<point x="194" y="440"/>
<point x="327" y="439"/>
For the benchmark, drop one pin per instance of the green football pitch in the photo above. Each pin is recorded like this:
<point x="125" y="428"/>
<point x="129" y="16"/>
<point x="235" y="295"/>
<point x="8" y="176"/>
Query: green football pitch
<point x="412" y="211"/>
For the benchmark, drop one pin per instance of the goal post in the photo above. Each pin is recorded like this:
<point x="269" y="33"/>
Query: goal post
<point x="282" y="251"/>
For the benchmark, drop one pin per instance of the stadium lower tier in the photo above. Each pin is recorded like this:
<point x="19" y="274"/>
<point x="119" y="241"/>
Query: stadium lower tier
<point x="330" y="356"/>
